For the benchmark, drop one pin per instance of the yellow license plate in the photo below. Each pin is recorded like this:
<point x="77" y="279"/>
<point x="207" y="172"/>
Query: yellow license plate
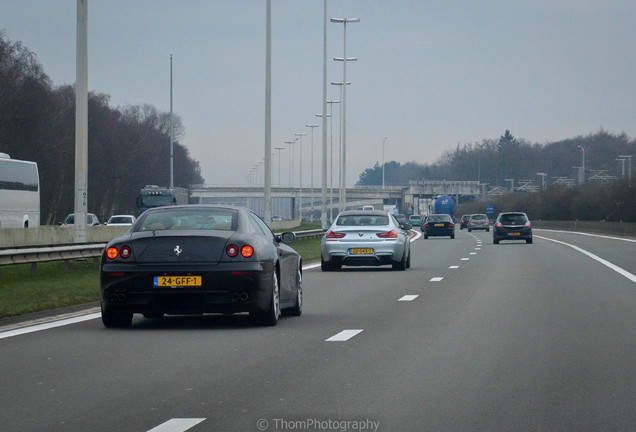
<point x="514" y="234"/>
<point x="362" y="251"/>
<point x="177" y="281"/>
<point x="439" y="225"/>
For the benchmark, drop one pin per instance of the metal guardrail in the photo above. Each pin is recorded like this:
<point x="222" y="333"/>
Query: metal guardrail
<point x="50" y="253"/>
<point x="34" y="255"/>
<point x="319" y="232"/>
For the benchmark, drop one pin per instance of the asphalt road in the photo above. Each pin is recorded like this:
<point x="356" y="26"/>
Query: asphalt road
<point x="474" y="336"/>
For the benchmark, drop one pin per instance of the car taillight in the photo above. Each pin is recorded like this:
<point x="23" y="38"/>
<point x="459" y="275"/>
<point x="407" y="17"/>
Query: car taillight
<point x="334" y="235"/>
<point x="388" y="235"/>
<point x="125" y="252"/>
<point x="451" y="225"/>
<point x="528" y="223"/>
<point x="247" y="251"/>
<point x="232" y="251"/>
<point x="498" y="225"/>
<point x="427" y="225"/>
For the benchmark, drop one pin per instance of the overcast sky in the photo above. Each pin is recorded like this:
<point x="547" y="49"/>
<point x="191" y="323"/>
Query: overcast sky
<point x="430" y="73"/>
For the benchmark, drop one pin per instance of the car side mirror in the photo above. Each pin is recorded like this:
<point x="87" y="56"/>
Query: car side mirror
<point x="326" y="227"/>
<point x="288" y="237"/>
<point x="406" y="226"/>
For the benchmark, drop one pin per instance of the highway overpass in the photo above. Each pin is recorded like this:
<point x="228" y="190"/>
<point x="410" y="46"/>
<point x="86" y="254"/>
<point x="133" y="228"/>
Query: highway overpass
<point x="285" y="199"/>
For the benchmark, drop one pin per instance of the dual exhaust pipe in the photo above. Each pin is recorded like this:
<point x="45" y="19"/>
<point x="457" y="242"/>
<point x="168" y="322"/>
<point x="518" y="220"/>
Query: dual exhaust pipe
<point x="239" y="297"/>
<point x="117" y="298"/>
<point x="235" y="297"/>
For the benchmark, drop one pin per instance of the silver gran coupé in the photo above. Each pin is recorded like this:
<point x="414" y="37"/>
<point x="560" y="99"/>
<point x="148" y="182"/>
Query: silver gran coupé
<point x="365" y="238"/>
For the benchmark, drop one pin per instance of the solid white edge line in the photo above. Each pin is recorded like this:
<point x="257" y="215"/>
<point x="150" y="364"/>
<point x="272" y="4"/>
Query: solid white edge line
<point x="49" y="325"/>
<point x="614" y="267"/>
<point x="409" y="297"/>
<point x="177" y="425"/>
<point x="587" y="234"/>
<point x="344" y="335"/>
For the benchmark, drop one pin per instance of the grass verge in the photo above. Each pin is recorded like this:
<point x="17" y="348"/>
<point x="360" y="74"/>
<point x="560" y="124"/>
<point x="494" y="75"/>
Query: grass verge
<point x="309" y="248"/>
<point x="21" y="293"/>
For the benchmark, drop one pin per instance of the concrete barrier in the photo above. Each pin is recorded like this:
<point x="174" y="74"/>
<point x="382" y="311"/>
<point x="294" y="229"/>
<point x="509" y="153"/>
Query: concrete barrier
<point x="58" y="235"/>
<point x="284" y="225"/>
<point x="55" y="235"/>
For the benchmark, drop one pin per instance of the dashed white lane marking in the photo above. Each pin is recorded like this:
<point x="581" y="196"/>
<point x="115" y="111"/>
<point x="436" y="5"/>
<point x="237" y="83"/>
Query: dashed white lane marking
<point x="465" y="259"/>
<point x="344" y="335"/>
<point x="408" y="298"/>
<point x="177" y="425"/>
<point x="478" y="248"/>
<point x="473" y="253"/>
<point x="453" y="267"/>
<point x="614" y="267"/>
<point x="436" y="279"/>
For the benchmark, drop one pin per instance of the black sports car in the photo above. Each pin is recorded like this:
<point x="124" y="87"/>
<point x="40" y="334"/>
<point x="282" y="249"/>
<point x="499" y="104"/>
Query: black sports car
<point x="198" y="259"/>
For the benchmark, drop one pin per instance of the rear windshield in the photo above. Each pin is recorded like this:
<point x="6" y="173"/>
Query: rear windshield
<point x="479" y="217"/>
<point x="513" y="219"/>
<point x="362" y="220"/>
<point x="190" y="219"/>
<point x="120" y="219"/>
<point x="438" y="218"/>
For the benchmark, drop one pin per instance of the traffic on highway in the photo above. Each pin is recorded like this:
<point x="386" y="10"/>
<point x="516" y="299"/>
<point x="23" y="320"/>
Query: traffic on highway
<point x="475" y="336"/>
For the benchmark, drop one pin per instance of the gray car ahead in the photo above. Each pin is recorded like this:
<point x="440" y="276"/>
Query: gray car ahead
<point x="365" y="238"/>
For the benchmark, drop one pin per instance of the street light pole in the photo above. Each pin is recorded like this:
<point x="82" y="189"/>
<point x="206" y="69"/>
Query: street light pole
<point x="171" y="132"/>
<point x="542" y="175"/>
<point x="279" y="158"/>
<point x="330" y="102"/>
<point x="323" y="195"/>
<point x="344" y="59"/>
<point x="291" y="162"/>
<point x="300" y="136"/>
<point x="512" y="184"/>
<point x="267" y="184"/>
<point x="629" y="166"/>
<point x="383" y="162"/>
<point x="311" y="185"/>
<point x="81" y="123"/>
<point x="340" y="182"/>
<point x="582" y="175"/>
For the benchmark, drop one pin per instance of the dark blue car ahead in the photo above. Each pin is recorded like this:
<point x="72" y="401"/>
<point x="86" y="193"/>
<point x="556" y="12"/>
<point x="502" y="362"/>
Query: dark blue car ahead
<point x="440" y="225"/>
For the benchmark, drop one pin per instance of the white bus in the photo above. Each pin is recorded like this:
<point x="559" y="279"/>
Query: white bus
<point x="19" y="193"/>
